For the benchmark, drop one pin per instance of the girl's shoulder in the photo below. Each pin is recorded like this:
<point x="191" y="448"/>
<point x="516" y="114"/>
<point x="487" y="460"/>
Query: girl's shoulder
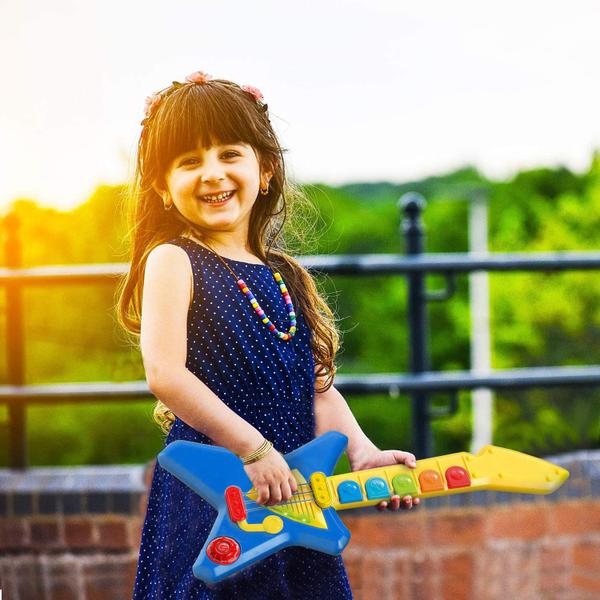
<point x="170" y="261"/>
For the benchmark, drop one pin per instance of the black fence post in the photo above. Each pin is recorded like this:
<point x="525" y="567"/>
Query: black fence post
<point x="15" y="355"/>
<point x="413" y="230"/>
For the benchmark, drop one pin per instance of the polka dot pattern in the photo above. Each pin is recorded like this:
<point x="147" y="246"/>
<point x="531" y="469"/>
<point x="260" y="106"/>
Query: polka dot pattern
<point x="270" y="383"/>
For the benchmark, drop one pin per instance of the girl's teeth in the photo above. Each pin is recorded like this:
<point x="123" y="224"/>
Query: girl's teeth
<point x="218" y="198"/>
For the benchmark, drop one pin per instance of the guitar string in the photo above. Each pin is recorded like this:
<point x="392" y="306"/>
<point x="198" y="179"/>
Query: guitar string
<point x="295" y="503"/>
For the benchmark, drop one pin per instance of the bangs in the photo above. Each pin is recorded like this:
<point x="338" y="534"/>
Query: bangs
<point x="201" y="115"/>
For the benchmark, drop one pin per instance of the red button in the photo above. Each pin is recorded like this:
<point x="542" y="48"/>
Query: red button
<point x="457" y="477"/>
<point x="223" y="550"/>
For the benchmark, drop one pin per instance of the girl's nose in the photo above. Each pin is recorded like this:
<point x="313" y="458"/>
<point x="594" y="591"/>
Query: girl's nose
<point x="211" y="176"/>
<point x="212" y="171"/>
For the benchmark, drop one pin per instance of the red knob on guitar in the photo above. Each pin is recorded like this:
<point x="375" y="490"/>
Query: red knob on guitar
<point x="223" y="550"/>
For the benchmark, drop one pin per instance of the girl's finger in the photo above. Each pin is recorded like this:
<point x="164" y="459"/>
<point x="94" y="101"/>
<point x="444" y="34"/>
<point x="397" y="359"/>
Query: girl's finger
<point x="407" y="458"/>
<point x="407" y="500"/>
<point x="395" y="503"/>
<point x="382" y="505"/>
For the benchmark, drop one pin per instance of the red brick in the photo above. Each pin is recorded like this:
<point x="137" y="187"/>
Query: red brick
<point x="586" y="583"/>
<point x="493" y="565"/>
<point x="423" y="580"/>
<point x="591" y="510"/>
<point x="108" y="578"/>
<point x="573" y="518"/>
<point x="14" y="533"/>
<point x="457" y="576"/>
<point x="135" y="532"/>
<point x="131" y="566"/>
<point x="45" y="532"/>
<point x="79" y="533"/>
<point x="63" y="590"/>
<point x="352" y="562"/>
<point x="520" y="521"/>
<point x="401" y="576"/>
<point x="149" y="473"/>
<point x="374" y="572"/>
<point x="386" y="530"/>
<point x="553" y="586"/>
<point x="62" y="578"/>
<point x="113" y="532"/>
<point x="463" y="528"/>
<point x="143" y="504"/>
<point x="587" y="555"/>
<point x="28" y="578"/>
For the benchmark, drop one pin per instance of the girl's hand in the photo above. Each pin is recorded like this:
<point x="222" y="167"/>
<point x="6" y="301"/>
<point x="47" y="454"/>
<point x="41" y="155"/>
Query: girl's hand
<point x="272" y="479"/>
<point x="371" y="457"/>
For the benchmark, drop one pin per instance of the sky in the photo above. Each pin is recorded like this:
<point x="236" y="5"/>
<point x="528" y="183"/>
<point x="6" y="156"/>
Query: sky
<point x="358" y="90"/>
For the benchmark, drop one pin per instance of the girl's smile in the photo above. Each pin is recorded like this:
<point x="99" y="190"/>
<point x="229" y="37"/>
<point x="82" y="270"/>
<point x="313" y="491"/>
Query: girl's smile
<point x="217" y="187"/>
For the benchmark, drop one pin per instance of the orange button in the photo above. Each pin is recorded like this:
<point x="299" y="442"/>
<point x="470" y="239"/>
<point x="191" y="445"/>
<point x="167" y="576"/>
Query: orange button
<point x="430" y="481"/>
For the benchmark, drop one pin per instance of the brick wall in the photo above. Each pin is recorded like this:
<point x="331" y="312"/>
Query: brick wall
<point x="520" y="552"/>
<point x="70" y="534"/>
<point x="74" y="534"/>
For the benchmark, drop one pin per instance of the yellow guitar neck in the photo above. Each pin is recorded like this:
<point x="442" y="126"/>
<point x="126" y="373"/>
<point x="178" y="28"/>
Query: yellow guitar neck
<point x="493" y="468"/>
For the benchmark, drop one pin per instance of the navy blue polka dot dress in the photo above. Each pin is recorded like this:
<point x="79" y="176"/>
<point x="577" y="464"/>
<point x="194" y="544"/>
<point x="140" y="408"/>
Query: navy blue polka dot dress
<point x="270" y="383"/>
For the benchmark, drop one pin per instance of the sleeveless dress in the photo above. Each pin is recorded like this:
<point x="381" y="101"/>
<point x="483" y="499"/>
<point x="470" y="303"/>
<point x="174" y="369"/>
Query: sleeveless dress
<point x="270" y="383"/>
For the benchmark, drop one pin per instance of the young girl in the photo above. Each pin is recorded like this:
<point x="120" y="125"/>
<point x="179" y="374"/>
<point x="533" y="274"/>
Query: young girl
<point x="244" y="365"/>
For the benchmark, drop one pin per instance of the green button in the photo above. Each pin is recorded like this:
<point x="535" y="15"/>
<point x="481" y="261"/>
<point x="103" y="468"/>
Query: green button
<point x="404" y="484"/>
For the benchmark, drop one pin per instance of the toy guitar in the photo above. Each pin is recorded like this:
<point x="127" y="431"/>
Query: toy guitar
<point x="245" y="532"/>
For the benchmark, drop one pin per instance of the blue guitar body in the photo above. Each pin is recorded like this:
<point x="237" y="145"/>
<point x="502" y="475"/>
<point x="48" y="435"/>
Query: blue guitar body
<point x="245" y="532"/>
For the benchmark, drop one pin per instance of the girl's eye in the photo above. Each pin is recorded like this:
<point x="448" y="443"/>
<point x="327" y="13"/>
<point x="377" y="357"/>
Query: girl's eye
<point x="228" y="154"/>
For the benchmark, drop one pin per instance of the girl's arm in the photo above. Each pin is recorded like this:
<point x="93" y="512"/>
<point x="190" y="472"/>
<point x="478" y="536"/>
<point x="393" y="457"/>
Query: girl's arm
<point x="163" y="340"/>
<point x="333" y="413"/>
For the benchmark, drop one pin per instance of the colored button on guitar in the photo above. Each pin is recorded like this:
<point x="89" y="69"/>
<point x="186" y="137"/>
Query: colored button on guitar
<point x="376" y="488"/>
<point x="235" y="503"/>
<point x="404" y="484"/>
<point x="457" y="477"/>
<point x="349" y="491"/>
<point x="223" y="550"/>
<point x="430" y="481"/>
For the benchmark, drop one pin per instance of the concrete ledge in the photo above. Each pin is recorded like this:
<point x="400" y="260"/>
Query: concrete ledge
<point x="72" y="490"/>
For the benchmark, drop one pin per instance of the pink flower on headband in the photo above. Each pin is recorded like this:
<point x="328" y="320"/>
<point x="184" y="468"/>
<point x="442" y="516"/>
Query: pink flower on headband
<point x="151" y="103"/>
<point x="198" y="77"/>
<point x="254" y="91"/>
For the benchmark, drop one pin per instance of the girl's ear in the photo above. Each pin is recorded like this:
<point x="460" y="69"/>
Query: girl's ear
<point x="158" y="190"/>
<point x="268" y="170"/>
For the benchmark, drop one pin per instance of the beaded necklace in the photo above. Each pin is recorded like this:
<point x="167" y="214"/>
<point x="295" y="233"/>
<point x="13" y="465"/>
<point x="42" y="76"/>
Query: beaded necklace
<point x="287" y="336"/>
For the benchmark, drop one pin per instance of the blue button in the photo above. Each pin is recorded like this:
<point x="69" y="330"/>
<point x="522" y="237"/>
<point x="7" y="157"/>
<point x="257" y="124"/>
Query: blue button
<point x="376" y="488"/>
<point x="349" y="491"/>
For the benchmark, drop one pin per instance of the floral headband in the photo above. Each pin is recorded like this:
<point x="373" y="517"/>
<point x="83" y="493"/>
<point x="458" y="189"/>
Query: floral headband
<point x="199" y="78"/>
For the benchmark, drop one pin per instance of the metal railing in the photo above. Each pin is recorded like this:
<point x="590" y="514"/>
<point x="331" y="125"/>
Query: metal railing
<point x="420" y="382"/>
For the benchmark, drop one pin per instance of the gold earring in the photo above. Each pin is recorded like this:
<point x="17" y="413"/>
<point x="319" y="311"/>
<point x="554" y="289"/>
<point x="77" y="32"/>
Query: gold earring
<point x="166" y="205"/>
<point x="266" y="190"/>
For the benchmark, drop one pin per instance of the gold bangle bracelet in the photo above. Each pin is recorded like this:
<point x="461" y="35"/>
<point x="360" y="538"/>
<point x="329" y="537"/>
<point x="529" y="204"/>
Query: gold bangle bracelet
<point x="259" y="453"/>
<point x="255" y="452"/>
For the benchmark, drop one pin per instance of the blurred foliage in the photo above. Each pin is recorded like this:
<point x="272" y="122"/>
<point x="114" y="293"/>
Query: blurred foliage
<point x="537" y="318"/>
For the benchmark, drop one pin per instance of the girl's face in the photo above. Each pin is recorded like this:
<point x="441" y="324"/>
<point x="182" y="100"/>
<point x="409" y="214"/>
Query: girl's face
<point x="217" y="187"/>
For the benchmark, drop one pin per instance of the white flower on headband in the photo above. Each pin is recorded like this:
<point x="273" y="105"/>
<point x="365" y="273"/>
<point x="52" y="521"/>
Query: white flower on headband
<point x="198" y="77"/>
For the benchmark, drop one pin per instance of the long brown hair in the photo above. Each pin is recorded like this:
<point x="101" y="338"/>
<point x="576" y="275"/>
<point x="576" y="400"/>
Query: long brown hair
<point x="218" y="111"/>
